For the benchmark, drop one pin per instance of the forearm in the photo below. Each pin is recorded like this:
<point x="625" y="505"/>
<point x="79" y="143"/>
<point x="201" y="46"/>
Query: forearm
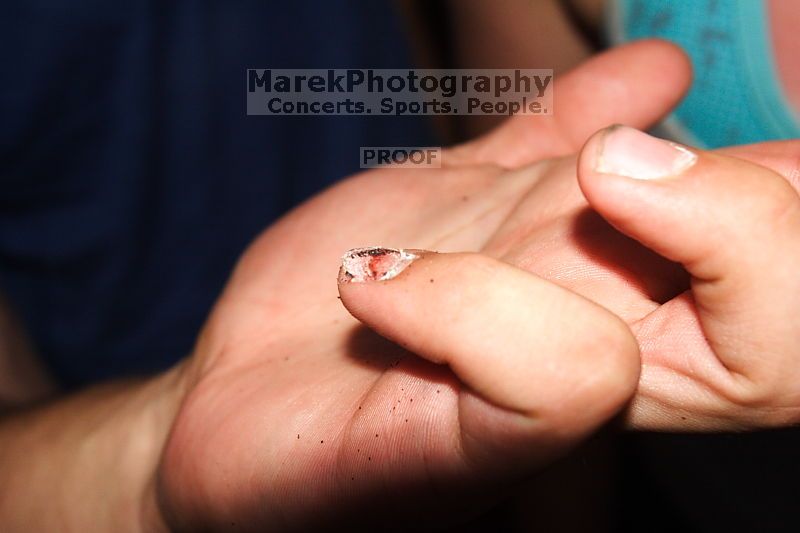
<point x="87" y="461"/>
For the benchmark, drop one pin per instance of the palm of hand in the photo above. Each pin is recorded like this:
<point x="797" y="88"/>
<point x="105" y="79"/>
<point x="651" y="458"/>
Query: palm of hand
<point x="326" y="410"/>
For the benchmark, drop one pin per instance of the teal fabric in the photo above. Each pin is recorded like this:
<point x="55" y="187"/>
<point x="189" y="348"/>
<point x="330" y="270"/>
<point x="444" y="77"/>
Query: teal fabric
<point x="736" y="97"/>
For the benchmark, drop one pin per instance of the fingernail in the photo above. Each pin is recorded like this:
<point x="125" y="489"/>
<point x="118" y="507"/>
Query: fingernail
<point x="374" y="264"/>
<point x="629" y="152"/>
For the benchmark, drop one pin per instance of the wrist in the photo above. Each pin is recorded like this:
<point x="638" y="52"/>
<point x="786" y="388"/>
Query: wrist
<point x="162" y="397"/>
<point x="88" y="458"/>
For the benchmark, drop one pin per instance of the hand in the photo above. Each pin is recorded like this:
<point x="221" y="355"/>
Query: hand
<point x="708" y="284"/>
<point x="295" y="414"/>
<point x="727" y="351"/>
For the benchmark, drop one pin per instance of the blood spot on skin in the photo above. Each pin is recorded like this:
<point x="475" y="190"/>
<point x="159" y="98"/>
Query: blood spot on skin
<point x="374" y="264"/>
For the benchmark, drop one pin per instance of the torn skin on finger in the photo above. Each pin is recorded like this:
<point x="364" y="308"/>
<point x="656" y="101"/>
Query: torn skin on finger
<point x="375" y="263"/>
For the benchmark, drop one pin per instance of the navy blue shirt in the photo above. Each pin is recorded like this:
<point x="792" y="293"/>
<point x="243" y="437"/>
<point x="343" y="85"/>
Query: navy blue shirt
<point x="130" y="176"/>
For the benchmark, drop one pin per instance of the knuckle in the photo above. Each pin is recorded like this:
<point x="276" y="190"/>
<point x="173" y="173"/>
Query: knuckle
<point x="779" y="205"/>
<point x="764" y="394"/>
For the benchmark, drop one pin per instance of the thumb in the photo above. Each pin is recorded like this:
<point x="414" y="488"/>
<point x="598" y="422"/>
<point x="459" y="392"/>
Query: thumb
<point x="637" y="83"/>
<point x="540" y="366"/>
<point x="735" y="227"/>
